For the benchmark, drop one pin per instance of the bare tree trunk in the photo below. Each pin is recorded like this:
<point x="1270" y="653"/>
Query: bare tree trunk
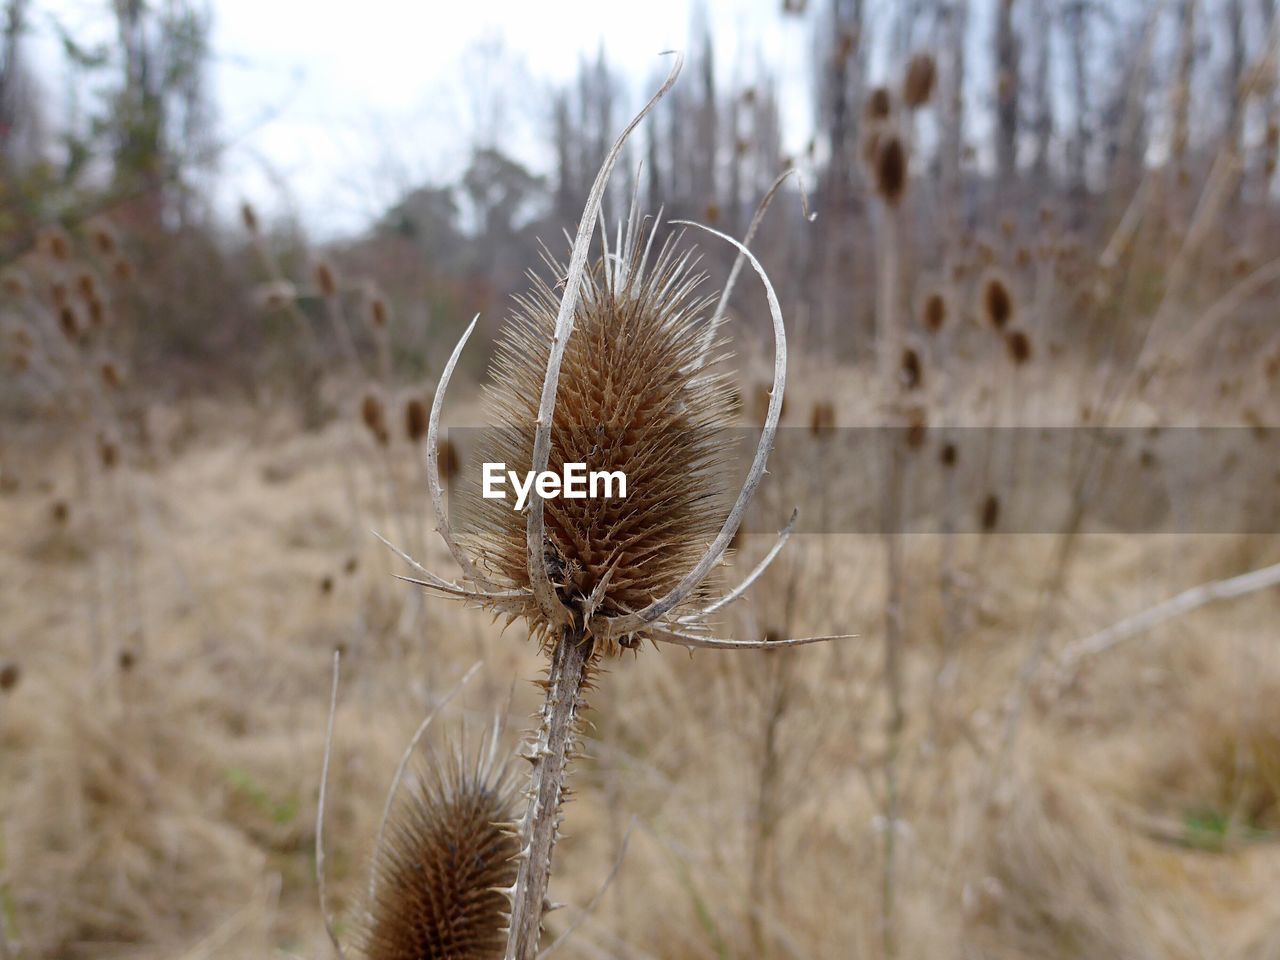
<point x="1043" y="16"/>
<point x="1077" y="14"/>
<point x="957" y="17"/>
<point x="1008" y="82"/>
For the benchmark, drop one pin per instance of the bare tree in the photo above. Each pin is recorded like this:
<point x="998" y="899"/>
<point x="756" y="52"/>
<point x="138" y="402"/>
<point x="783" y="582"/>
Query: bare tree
<point x="1008" y="81"/>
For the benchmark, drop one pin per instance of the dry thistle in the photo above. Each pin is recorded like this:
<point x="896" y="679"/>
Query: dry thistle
<point x="613" y="373"/>
<point x="891" y="170"/>
<point x="934" y="314"/>
<point x="415" y="419"/>
<point x="997" y="303"/>
<point x="822" y="418"/>
<point x="374" y="416"/>
<point x="879" y="104"/>
<point x="917" y="85"/>
<point x="1019" y="346"/>
<point x="449" y="854"/>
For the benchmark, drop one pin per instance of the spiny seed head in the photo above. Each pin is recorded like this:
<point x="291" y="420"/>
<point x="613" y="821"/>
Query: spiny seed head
<point x="910" y="369"/>
<point x="438" y="880"/>
<point x="879" y="104"/>
<point x="326" y="280"/>
<point x="632" y="397"/>
<point x="934" y="314"/>
<point x="822" y="418"/>
<point x="997" y="303"/>
<point x="447" y="460"/>
<point x="374" y="416"/>
<point x="1019" y="346"/>
<point x="891" y="170"/>
<point x="917" y="85"/>
<point x="111" y="376"/>
<point x="416" y="419"/>
<point x="990" y="512"/>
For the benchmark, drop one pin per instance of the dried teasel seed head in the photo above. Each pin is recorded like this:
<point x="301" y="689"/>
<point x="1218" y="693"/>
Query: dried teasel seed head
<point x="447" y="460"/>
<point x="377" y="311"/>
<point x="56" y="244"/>
<point x="917" y="85"/>
<point x="879" y="104"/>
<point x="822" y="418"/>
<point x="891" y="170"/>
<point x="416" y="419"/>
<point x="374" y="415"/>
<point x="633" y="397"/>
<point x="111" y="376"/>
<point x="102" y="238"/>
<point x="439" y="880"/>
<point x="934" y="314"/>
<point x="108" y="453"/>
<point x="10" y="675"/>
<point x="69" y="323"/>
<point x="326" y="280"/>
<point x="910" y="369"/>
<point x="1019" y="346"/>
<point x="249" y="217"/>
<point x="990" y="515"/>
<point x="997" y="303"/>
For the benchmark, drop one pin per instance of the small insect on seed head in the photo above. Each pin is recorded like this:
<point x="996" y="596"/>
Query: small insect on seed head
<point x="10" y="676"/>
<point x="917" y="85"/>
<point x="416" y="419"/>
<point x="1019" y="346"/>
<point x="891" y="170"/>
<point x="438" y="882"/>
<point x="934" y="314"/>
<point x="997" y="303"/>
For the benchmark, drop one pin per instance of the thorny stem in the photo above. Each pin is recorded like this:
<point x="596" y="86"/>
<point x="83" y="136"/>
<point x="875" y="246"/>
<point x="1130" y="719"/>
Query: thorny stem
<point x="550" y="753"/>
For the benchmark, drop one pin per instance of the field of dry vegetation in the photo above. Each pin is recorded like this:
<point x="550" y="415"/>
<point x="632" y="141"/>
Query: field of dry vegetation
<point x="1038" y="733"/>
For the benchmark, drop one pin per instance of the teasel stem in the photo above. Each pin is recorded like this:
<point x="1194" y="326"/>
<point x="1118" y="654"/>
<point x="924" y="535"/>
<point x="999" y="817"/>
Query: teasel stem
<point x="550" y="752"/>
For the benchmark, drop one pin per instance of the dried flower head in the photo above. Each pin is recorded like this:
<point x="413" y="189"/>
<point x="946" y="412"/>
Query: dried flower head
<point x="891" y="170"/>
<point x="438" y="882"/>
<point x="934" y="314"/>
<point x="997" y="303"/>
<point x="917" y="85"/>
<point x="326" y="280"/>
<point x="373" y="414"/>
<point x="910" y="369"/>
<point x="415" y="419"/>
<point x="10" y="675"/>
<point x="631" y="398"/>
<point x="879" y="104"/>
<point x="1019" y="346"/>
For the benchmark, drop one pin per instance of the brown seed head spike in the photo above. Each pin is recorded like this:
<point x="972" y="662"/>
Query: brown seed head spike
<point x="632" y="397"/>
<point x="917" y="86"/>
<point x="447" y="854"/>
<point x="374" y="416"/>
<point x="1019" y="346"/>
<point x="891" y="170"/>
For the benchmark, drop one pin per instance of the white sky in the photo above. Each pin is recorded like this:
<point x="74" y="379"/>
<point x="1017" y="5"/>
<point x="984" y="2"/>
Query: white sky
<point x="334" y="109"/>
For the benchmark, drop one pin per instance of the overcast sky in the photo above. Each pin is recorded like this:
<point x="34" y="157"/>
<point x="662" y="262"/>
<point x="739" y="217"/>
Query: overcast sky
<point x="334" y="109"/>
